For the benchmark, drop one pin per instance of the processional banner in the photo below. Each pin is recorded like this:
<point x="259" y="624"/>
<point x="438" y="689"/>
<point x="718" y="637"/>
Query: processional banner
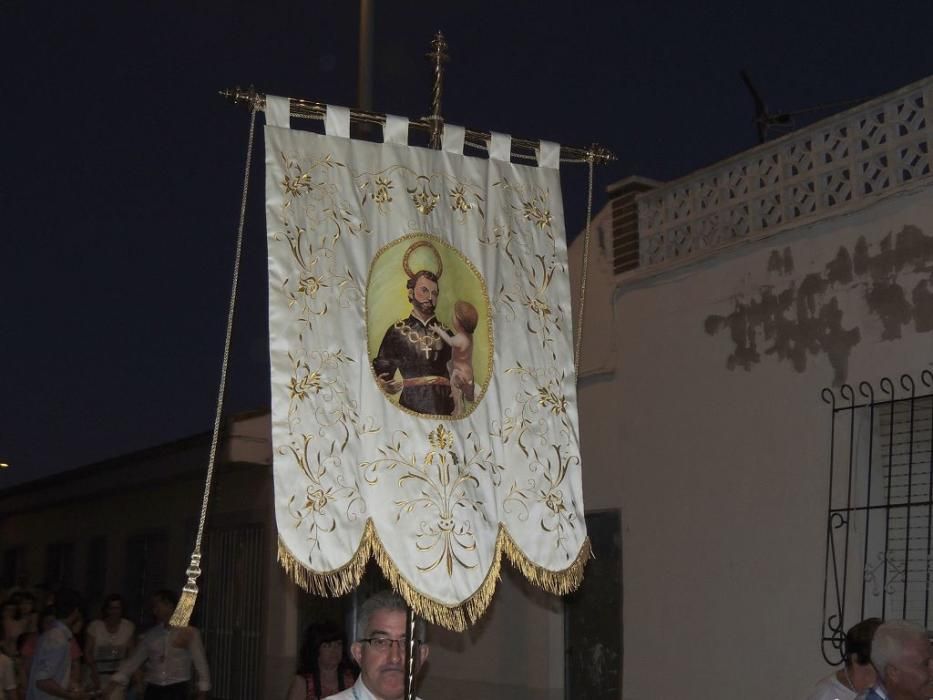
<point x="423" y="390"/>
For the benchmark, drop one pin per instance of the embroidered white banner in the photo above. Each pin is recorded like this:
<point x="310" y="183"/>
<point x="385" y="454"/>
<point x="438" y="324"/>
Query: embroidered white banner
<point x="423" y="397"/>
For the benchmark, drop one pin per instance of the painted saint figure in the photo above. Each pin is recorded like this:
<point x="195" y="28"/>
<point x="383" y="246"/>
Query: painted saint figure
<point x="461" y="346"/>
<point x="412" y="348"/>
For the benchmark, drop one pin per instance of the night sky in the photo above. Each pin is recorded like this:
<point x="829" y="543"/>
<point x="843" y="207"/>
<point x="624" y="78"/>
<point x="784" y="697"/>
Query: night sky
<point x="122" y="167"/>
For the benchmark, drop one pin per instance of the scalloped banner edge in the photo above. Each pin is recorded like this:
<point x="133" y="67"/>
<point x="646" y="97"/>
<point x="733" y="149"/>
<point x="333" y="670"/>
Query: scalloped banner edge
<point x="457" y="617"/>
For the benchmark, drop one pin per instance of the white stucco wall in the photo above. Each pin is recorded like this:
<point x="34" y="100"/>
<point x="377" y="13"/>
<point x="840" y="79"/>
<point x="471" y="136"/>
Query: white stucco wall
<point x="721" y="474"/>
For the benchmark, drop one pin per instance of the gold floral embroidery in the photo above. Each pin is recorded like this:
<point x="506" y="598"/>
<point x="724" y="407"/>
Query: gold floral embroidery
<point x="547" y="489"/>
<point x="530" y="290"/>
<point x="324" y="490"/>
<point x="458" y="201"/>
<point x="534" y="210"/>
<point x="446" y="484"/>
<point x="316" y="376"/>
<point x="425" y="199"/>
<point x="541" y="393"/>
<point x="382" y="195"/>
<point x="422" y="189"/>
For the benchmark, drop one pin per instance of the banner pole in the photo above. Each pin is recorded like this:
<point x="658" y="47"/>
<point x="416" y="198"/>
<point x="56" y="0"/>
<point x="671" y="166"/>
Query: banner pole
<point x="439" y="57"/>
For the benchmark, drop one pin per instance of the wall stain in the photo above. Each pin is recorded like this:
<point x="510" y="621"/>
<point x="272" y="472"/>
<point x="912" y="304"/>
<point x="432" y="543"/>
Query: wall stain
<point x="781" y="262"/>
<point x="806" y="319"/>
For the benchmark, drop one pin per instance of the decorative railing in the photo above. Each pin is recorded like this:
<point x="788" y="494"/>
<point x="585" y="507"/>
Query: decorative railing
<point x="833" y="165"/>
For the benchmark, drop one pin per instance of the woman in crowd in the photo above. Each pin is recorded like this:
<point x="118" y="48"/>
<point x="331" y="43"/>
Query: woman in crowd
<point x="323" y="666"/>
<point x="109" y="641"/>
<point x="28" y="613"/>
<point x="13" y="624"/>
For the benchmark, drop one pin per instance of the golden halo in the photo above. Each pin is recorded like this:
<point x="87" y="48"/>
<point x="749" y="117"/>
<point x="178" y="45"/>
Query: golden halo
<point x="425" y="244"/>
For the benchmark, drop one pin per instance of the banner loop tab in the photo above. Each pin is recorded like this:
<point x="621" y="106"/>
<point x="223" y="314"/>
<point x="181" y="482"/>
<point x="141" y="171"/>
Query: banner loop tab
<point x="337" y="121"/>
<point x="453" y="138"/>
<point x="277" y="111"/>
<point x="500" y="147"/>
<point x="395" y="130"/>
<point x="549" y="155"/>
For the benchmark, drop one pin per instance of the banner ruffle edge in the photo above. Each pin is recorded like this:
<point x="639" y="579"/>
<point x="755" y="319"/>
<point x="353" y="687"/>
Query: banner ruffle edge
<point x="458" y="617"/>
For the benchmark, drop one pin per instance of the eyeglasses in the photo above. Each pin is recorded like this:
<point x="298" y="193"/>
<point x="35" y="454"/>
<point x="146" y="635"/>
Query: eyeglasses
<point x="386" y="643"/>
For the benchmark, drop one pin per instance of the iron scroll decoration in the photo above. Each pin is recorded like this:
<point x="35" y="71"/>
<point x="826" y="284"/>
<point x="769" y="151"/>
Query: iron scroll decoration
<point x="846" y="399"/>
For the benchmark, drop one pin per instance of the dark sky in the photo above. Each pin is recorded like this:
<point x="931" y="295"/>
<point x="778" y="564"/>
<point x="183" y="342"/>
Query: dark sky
<point x="122" y="167"/>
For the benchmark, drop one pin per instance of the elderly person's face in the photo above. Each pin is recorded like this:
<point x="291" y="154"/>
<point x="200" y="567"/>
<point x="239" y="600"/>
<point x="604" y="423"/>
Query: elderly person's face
<point x="911" y="677"/>
<point x="381" y="655"/>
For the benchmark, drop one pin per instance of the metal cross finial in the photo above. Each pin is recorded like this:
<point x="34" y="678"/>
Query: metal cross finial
<point x="439" y="56"/>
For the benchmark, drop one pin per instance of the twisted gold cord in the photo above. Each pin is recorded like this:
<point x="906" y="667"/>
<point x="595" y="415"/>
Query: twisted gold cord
<point x="185" y="607"/>
<point x="578" y="346"/>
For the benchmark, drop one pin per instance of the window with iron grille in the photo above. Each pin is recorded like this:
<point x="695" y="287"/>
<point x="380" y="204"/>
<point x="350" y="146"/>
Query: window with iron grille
<point x="13" y="567"/>
<point x="146" y="564"/>
<point x="96" y="571"/>
<point x="59" y="564"/>
<point x="879" y="527"/>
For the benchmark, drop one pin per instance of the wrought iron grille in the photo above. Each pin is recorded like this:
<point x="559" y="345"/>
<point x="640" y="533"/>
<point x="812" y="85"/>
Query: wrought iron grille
<point x="879" y="527"/>
<point x="231" y="610"/>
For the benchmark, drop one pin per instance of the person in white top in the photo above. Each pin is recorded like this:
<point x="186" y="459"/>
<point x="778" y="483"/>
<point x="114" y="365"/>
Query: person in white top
<point x="379" y="649"/>
<point x="169" y="653"/>
<point x="108" y="642"/>
<point x="7" y="678"/>
<point x="857" y="674"/>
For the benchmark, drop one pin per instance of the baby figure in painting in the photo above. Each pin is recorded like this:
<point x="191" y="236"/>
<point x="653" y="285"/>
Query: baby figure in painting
<point x="461" y="357"/>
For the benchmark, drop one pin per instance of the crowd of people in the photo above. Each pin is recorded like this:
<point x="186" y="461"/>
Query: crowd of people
<point x="48" y="651"/>
<point x="890" y="660"/>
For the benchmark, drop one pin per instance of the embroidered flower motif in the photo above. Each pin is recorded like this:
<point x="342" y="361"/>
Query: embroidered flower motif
<point x="382" y="195"/>
<point x="441" y="438"/>
<point x="540" y="216"/>
<point x="554" y="501"/>
<point x="317" y="499"/>
<point x="425" y="200"/>
<point x="553" y="402"/>
<point x="309" y="285"/>
<point x="302" y="387"/>
<point x="458" y="200"/>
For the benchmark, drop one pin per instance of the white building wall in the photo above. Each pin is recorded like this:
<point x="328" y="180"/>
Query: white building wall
<point x="722" y="474"/>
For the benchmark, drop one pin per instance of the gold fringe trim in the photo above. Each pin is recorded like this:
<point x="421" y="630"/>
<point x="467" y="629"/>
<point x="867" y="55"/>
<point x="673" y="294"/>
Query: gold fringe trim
<point x="458" y="617"/>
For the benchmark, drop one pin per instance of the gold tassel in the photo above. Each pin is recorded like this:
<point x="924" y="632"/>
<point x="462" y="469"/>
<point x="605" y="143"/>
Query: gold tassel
<point x="189" y="594"/>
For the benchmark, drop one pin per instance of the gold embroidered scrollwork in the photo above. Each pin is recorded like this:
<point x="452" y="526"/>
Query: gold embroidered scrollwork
<point x="540" y="399"/>
<point x="325" y="490"/>
<point x="445" y="483"/>
<point x="424" y="191"/>
<point x="546" y="489"/>
<point x="315" y="376"/>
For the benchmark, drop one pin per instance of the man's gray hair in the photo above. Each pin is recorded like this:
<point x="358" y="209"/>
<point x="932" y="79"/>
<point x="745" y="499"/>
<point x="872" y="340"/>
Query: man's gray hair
<point x="887" y="646"/>
<point x="383" y="600"/>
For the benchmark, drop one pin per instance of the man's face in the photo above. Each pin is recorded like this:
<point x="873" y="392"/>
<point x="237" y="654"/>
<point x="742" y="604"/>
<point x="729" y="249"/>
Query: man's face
<point x="161" y="609"/>
<point x="910" y="678"/>
<point x="423" y="297"/>
<point x="383" y="670"/>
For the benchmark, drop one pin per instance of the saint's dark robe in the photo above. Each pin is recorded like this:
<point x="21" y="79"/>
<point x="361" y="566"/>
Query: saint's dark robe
<point x="415" y="350"/>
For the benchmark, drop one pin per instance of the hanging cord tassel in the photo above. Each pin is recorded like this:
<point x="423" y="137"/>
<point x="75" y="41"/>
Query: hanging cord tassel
<point x="189" y="593"/>
<point x="578" y="346"/>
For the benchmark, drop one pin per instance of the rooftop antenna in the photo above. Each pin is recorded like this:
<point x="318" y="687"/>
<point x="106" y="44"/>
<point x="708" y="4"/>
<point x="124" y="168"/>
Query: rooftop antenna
<point x="766" y="121"/>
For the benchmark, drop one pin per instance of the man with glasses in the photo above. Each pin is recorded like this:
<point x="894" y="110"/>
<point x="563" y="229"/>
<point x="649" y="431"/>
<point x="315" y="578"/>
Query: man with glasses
<point x="901" y="653"/>
<point x="379" y="649"/>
